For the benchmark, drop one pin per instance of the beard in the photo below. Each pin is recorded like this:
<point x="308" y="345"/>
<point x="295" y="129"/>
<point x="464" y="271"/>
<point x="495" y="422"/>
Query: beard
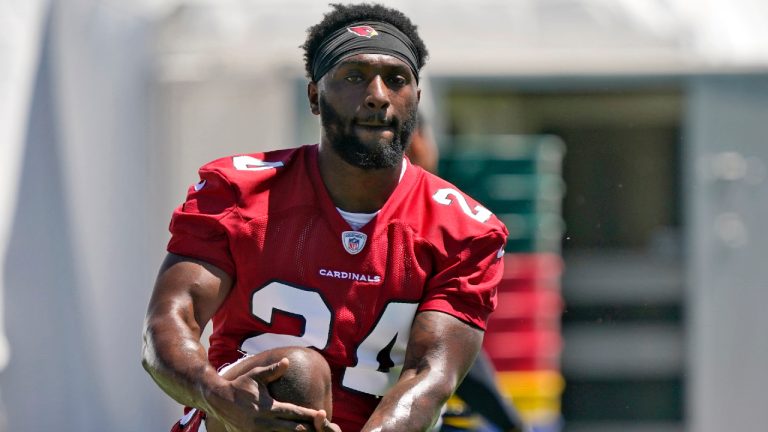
<point x="384" y="154"/>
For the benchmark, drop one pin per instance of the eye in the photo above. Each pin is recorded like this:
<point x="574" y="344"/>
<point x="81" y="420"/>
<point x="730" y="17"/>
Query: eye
<point x="353" y="78"/>
<point x="398" y="81"/>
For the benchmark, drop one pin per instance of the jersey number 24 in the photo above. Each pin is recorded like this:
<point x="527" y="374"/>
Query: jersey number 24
<point x="380" y="355"/>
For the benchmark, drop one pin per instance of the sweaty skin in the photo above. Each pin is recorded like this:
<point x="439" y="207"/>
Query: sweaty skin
<point x="367" y="92"/>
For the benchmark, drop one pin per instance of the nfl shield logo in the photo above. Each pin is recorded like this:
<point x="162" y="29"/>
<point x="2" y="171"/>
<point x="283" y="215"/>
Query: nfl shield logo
<point x="353" y="241"/>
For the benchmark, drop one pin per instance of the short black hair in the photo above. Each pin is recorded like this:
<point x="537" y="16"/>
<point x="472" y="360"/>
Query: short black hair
<point x="343" y="15"/>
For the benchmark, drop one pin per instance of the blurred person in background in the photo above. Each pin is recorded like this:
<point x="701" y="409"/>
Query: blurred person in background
<point x="384" y="269"/>
<point x="423" y="150"/>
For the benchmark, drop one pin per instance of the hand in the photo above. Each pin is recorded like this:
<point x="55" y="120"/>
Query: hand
<point x="322" y="424"/>
<point x="244" y="404"/>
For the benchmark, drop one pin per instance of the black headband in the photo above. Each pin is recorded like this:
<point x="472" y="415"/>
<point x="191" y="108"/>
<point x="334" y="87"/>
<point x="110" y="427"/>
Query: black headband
<point x="369" y="37"/>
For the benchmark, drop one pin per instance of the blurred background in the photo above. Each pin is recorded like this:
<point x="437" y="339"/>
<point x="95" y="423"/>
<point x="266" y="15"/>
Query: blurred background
<point x="622" y="141"/>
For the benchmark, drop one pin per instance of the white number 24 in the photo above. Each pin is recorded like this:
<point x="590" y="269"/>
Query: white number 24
<point x="380" y="355"/>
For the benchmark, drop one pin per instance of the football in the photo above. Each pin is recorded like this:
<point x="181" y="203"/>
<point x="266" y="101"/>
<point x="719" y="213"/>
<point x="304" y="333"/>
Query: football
<point x="307" y="382"/>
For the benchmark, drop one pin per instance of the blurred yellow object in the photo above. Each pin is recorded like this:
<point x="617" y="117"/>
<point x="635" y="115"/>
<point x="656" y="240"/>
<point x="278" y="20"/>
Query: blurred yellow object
<point x="538" y="410"/>
<point x="455" y="405"/>
<point x="535" y="409"/>
<point x="531" y="384"/>
<point x="470" y="422"/>
<point x="459" y="416"/>
<point x="535" y="394"/>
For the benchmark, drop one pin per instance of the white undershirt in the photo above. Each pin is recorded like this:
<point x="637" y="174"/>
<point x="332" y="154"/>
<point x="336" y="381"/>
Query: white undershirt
<point x="358" y="220"/>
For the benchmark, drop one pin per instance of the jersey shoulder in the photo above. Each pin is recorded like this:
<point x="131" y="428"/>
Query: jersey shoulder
<point x="445" y="213"/>
<point x="249" y="179"/>
<point x="246" y="170"/>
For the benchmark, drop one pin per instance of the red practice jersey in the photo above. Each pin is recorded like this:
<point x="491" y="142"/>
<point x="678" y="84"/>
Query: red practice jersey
<point x="303" y="277"/>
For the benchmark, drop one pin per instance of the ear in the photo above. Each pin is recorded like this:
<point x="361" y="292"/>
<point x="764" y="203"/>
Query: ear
<point x="418" y="95"/>
<point x="314" y="97"/>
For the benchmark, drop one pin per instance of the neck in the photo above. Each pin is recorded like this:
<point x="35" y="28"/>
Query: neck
<point x="355" y="189"/>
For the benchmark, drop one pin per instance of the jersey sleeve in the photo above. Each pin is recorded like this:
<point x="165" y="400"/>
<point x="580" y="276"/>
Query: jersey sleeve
<point x="197" y="228"/>
<point x="466" y="283"/>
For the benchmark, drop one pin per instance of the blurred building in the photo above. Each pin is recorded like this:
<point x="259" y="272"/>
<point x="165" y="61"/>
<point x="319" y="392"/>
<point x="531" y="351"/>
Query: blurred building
<point x="662" y="107"/>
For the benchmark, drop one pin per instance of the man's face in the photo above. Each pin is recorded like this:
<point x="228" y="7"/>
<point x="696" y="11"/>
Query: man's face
<point x="367" y="106"/>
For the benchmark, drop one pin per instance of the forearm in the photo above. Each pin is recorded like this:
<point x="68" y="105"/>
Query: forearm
<point x="173" y="355"/>
<point x="187" y="293"/>
<point x="440" y="351"/>
<point x="413" y="404"/>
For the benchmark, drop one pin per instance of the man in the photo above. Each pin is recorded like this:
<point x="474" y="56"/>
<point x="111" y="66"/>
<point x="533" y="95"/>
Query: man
<point x="344" y="247"/>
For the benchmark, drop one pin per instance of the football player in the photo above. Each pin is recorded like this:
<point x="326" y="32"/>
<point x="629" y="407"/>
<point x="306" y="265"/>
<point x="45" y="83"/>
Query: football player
<point x="343" y="247"/>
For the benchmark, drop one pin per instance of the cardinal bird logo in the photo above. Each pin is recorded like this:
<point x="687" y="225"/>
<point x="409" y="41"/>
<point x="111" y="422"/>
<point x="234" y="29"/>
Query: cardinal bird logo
<point x="364" y="31"/>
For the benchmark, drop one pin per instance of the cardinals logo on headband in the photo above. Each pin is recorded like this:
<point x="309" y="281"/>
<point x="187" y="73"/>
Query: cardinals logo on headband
<point x="364" y="31"/>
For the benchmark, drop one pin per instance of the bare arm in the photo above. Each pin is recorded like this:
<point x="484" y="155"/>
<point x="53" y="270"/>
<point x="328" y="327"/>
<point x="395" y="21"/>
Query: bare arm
<point x="440" y="351"/>
<point x="187" y="293"/>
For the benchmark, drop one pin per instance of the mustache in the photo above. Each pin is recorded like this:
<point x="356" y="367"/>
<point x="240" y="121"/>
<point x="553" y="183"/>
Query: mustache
<point x="378" y="120"/>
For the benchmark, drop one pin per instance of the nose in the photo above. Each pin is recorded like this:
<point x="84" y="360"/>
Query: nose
<point x="378" y="96"/>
